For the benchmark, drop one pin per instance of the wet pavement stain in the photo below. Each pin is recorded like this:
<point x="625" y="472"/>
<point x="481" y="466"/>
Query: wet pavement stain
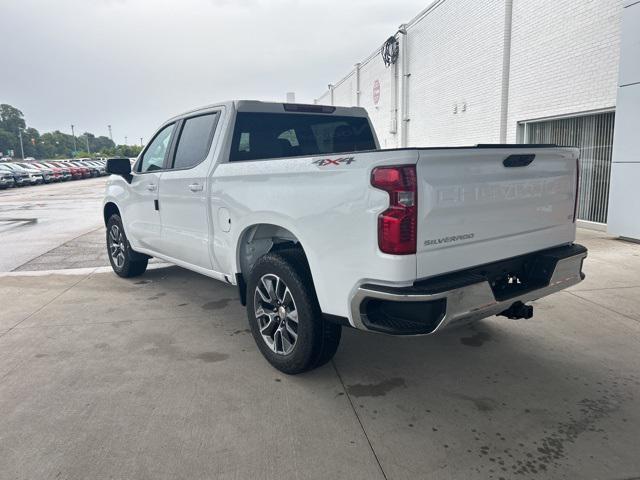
<point x="475" y="340"/>
<point x="142" y="282"/>
<point x="375" y="389"/>
<point x="483" y="404"/>
<point x="212" y="357"/>
<point x="153" y="344"/>
<point x="548" y="451"/>
<point x="238" y="332"/>
<point x="63" y="354"/>
<point x="157" y="296"/>
<point x="216" y="304"/>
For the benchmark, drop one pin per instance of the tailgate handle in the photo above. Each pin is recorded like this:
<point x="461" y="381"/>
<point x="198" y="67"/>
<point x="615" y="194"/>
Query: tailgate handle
<point x="518" y="160"/>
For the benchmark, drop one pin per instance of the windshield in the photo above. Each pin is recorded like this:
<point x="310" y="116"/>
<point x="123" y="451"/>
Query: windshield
<point x="276" y="135"/>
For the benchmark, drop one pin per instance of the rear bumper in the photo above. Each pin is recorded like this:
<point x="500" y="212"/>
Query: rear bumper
<point x="431" y="305"/>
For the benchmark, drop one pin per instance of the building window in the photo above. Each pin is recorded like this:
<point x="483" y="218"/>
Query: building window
<point x="593" y="135"/>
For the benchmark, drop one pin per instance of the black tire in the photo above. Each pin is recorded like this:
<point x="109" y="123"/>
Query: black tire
<point x="131" y="263"/>
<point x="317" y="339"/>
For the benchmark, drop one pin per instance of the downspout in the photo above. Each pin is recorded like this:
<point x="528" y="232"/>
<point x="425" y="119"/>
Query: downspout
<point x="393" y="97"/>
<point x="506" y="69"/>
<point x="404" y="86"/>
<point x="358" y="84"/>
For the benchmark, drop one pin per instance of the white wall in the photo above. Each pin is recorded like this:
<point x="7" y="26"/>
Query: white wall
<point x="324" y="99"/>
<point x="564" y="58"/>
<point x="455" y="57"/>
<point x="344" y="92"/>
<point x="381" y="113"/>
<point x="624" y="197"/>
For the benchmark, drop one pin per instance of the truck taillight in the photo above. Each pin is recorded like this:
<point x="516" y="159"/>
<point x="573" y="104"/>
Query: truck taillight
<point x="575" y="200"/>
<point x="398" y="225"/>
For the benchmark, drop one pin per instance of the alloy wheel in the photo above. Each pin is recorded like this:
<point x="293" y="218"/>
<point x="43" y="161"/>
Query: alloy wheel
<point x="276" y="314"/>
<point x="116" y="246"/>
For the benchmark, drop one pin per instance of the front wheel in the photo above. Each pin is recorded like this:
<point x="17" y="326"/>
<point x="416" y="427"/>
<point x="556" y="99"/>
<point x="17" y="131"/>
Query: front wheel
<point x="284" y="314"/>
<point x="124" y="261"/>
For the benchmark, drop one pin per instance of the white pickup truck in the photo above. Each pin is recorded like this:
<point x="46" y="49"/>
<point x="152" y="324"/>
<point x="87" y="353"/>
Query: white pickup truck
<point x="319" y="228"/>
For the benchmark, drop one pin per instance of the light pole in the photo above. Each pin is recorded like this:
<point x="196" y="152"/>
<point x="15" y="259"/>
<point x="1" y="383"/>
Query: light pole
<point x="141" y="141"/>
<point x="110" y="135"/>
<point x="125" y="139"/>
<point x="21" y="146"/>
<point x="86" y="137"/>
<point x="73" y="134"/>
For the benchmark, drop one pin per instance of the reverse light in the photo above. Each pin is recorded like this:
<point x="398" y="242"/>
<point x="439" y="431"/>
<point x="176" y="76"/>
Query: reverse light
<point x="398" y="225"/>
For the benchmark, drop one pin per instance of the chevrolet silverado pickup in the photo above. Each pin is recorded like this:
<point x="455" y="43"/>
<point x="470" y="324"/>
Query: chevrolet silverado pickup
<point x="319" y="228"/>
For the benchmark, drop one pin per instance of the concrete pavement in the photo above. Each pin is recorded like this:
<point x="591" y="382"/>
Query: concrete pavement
<point x="35" y="220"/>
<point x="158" y="377"/>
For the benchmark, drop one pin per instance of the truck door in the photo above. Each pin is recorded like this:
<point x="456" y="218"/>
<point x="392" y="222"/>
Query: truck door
<point x="141" y="217"/>
<point x="183" y="191"/>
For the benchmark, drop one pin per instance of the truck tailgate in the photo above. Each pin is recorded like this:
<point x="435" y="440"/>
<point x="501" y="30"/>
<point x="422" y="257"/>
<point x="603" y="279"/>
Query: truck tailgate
<point x="480" y="205"/>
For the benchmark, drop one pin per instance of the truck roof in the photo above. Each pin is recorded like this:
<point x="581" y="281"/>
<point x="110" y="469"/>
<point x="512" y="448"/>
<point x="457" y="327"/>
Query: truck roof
<point x="279" y="107"/>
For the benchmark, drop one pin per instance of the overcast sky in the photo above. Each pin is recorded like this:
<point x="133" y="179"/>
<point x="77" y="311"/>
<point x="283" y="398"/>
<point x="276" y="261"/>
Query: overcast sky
<point x="134" y="63"/>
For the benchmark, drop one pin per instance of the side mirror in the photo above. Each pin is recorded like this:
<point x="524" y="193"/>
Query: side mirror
<point x="120" y="166"/>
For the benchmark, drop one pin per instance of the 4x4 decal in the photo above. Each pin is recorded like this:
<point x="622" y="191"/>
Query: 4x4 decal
<point x="323" y="162"/>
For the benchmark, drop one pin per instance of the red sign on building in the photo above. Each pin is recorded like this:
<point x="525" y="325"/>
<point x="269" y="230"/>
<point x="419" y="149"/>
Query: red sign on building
<point x="376" y="92"/>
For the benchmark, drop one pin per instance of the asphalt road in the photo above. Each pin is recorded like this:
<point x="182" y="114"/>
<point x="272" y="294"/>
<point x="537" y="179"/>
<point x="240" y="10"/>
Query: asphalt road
<point x="35" y="220"/>
<point x="158" y="377"/>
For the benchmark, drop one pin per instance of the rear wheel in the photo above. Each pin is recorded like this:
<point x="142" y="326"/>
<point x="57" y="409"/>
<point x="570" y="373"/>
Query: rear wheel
<point x="284" y="314"/>
<point x="124" y="261"/>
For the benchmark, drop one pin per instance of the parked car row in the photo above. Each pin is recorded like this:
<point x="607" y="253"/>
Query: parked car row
<point x="36" y="172"/>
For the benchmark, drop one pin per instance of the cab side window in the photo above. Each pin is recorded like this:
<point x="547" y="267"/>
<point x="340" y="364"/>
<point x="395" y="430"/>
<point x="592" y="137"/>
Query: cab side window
<point x="153" y="157"/>
<point x="195" y="140"/>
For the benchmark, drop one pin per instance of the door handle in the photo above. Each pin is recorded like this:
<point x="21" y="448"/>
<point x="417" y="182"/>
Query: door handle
<point x="195" y="187"/>
<point x="152" y="187"/>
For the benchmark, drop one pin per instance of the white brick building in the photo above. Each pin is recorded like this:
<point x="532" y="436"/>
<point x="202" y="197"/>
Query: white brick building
<point x="495" y="71"/>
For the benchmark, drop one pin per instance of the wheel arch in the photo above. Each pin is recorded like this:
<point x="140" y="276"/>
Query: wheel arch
<point x="109" y="209"/>
<point x="257" y="240"/>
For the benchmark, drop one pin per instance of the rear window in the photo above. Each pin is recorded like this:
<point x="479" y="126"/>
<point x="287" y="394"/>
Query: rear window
<point x="194" y="141"/>
<point x="276" y="135"/>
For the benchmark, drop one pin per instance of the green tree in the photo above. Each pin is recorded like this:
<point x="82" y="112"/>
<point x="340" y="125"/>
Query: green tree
<point x="8" y="141"/>
<point x="11" y="119"/>
<point x="30" y="140"/>
<point x="102" y="144"/>
<point x="57" y="144"/>
<point x="128" y="150"/>
<point x="53" y="144"/>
